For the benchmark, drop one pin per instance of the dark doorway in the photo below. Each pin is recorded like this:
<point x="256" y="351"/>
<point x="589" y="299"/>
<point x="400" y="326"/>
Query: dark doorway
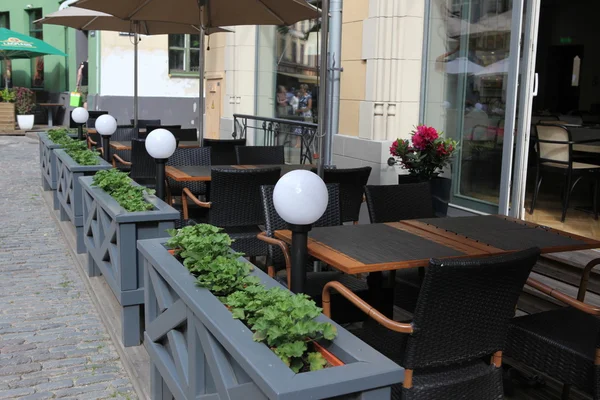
<point x="562" y="79"/>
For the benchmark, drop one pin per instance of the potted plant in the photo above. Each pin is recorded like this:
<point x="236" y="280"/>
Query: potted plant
<point x="7" y="110"/>
<point x="24" y="104"/>
<point x="209" y="310"/>
<point x="425" y="155"/>
<point x="126" y="211"/>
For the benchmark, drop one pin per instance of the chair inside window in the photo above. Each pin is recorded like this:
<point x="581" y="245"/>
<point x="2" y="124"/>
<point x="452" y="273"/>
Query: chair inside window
<point x="185" y="135"/>
<point x="223" y="151"/>
<point x="562" y="343"/>
<point x="352" y="182"/>
<point x="554" y="155"/>
<point x="183" y="157"/>
<point x="235" y="205"/>
<point x="279" y="260"/>
<point x="260" y="155"/>
<point x="453" y="346"/>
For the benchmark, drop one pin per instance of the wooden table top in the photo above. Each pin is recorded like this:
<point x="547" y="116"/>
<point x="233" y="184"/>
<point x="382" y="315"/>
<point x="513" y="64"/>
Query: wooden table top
<point x="202" y="173"/>
<point x="355" y="249"/>
<point x="126" y="144"/>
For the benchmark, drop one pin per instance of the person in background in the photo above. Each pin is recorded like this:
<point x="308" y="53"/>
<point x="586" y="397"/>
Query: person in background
<point x="305" y="103"/>
<point x="282" y="101"/>
<point x="82" y="82"/>
<point x="290" y="94"/>
<point x="294" y="102"/>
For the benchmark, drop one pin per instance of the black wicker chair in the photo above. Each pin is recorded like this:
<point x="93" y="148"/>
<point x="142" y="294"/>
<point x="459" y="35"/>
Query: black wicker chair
<point x="143" y="167"/>
<point x="260" y="155"/>
<point x="185" y="135"/>
<point x="562" y="343"/>
<point x="393" y="203"/>
<point x="453" y="347"/>
<point x="151" y="127"/>
<point x="181" y="157"/>
<point x="143" y="123"/>
<point x="93" y="116"/>
<point x="121" y="158"/>
<point x="278" y="256"/>
<point x="223" y="151"/>
<point x="236" y="205"/>
<point x="352" y="182"/>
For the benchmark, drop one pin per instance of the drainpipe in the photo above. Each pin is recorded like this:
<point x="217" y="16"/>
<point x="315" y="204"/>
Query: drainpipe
<point x="335" y="52"/>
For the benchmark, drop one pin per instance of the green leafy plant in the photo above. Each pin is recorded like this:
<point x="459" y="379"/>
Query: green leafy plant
<point x="119" y="185"/>
<point x="24" y="100"/>
<point x="279" y="319"/>
<point x="78" y="151"/>
<point x="8" y="95"/>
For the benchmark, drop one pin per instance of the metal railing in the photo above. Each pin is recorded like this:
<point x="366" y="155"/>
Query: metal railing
<point x="297" y="136"/>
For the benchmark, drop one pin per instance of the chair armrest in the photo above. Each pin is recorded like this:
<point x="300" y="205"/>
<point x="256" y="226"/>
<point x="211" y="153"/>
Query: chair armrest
<point x="284" y="249"/>
<point x="568" y="300"/>
<point x="361" y="305"/>
<point x="187" y="193"/>
<point x="117" y="159"/>
<point x="585" y="277"/>
<point x="91" y="142"/>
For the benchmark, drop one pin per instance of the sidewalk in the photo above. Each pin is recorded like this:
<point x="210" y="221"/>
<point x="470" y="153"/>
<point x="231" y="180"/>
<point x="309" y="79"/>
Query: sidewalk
<point x="52" y="341"/>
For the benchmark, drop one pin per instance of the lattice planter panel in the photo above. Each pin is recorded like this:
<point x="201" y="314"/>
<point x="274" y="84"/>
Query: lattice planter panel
<point x="110" y="234"/>
<point x="48" y="166"/>
<point x="198" y="351"/>
<point x="68" y="190"/>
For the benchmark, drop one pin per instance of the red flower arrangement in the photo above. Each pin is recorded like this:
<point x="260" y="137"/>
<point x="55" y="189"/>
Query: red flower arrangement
<point x="425" y="154"/>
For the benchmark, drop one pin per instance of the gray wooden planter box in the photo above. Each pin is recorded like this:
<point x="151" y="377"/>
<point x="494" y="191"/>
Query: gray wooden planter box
<point x="198" y="351"/>
<point x="68" y="190"/>
<point x="48" y="166"/>
<point x="110" y="234"/>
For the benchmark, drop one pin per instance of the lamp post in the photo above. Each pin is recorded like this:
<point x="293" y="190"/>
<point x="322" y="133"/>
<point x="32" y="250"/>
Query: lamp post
<point x="300" y="198"/>
<point x="161" y="145"/>
<point x="80" y="115"/>
<point x="106" y="125"/>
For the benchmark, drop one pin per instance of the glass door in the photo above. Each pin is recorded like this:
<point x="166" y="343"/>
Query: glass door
<point x="470" y="87"/>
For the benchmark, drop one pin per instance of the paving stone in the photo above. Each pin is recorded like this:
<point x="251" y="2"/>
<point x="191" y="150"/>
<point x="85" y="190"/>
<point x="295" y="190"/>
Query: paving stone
<point x="52" y="340"/>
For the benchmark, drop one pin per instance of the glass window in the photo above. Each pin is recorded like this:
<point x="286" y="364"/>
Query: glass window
<point x="184" y="53"/>
<point x="37" y="64"/>
<point x="466" y="81"/>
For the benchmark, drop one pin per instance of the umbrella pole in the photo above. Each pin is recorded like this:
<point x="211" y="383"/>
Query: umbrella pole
<point x="201" y="88"/>
<point x="322" y="130"/>
<point x="135" y="74"/>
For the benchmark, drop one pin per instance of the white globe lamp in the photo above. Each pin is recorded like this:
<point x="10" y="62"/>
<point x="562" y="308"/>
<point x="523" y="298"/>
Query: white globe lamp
<point x="300" y="198"/>
<point x="106" y="125"/>
<point x="80" y="115"/>
<point x="161" y="145"/>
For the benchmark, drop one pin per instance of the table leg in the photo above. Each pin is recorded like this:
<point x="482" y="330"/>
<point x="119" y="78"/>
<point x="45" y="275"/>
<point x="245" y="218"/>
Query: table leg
<point x="376" y="294"/>
<point x="50" y="122"/>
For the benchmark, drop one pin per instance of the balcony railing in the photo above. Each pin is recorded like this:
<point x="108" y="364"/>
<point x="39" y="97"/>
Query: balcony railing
<point x="297" y="136"/>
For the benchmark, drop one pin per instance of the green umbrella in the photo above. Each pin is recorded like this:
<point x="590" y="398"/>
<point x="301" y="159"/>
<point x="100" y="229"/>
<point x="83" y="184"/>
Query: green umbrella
<point x="17" y="45"/>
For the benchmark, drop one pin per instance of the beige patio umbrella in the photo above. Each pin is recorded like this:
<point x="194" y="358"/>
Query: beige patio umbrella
<point x="208" y="14"/>
<point x="84" y="19"/>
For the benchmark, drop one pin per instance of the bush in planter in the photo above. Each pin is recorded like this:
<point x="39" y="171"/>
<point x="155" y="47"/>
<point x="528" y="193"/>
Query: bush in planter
<point x="24" y="101"/>
<point x="8" y="95"/>
<point x="118" y="185"/>
<point x="279" y="319"/>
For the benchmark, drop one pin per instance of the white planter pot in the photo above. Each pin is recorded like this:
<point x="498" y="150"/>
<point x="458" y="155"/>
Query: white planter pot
<point x="25" y="122"/>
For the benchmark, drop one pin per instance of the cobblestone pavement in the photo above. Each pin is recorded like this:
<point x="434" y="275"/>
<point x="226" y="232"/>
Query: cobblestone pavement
<point x="52" y="341"/>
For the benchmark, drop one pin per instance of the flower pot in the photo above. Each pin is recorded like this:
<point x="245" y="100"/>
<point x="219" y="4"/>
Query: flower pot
<point x="25" y="122"/>
<point x="440" y="191"/>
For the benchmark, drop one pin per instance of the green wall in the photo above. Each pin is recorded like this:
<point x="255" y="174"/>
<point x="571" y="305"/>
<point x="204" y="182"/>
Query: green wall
<point x="59" y="73"/>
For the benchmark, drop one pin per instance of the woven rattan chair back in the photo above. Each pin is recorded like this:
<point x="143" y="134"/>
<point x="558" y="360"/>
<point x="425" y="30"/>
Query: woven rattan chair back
<point x="464" y="308"/>
<point x="185" y="135"/>
<point x="144" y="123"/>
<point x="273" y="222"/>
<point x="93" y="116"/>
<point x="150" y="128"/>
<point x="143" y="167"/>
<point x="352" y="182"/>
<point x="392" y="203"/>
<point x="260" y="155"/>
<point x="181" y="157"/>
<point x="223" y="151"/>
<point x="235" y="195"/>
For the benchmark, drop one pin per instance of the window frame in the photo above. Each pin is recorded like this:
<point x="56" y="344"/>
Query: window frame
<point x="187" y="50"/>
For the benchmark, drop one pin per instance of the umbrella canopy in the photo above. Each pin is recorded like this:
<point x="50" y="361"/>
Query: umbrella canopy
<point x="15" y="45"/>
<point x="462" y="65"/>
<point x="213" y="13"/>
<point x="497" y="68"/>
<point x="89" y="20"/>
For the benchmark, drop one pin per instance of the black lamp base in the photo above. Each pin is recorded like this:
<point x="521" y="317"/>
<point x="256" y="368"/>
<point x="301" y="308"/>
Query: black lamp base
<point x="299" y="256"/>
<point x="106" y="147"/>
<point x="160" y="178"/>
